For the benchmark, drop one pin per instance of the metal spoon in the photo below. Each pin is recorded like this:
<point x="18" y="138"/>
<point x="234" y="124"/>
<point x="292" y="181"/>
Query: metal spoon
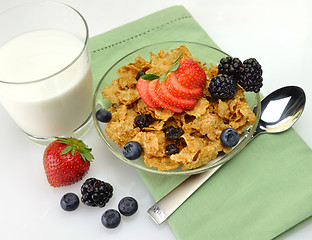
<point x="279" y="111"/>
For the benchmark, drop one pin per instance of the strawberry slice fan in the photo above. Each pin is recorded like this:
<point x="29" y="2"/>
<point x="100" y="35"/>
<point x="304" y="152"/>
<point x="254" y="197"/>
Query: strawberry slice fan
<point x="177" y="90"/>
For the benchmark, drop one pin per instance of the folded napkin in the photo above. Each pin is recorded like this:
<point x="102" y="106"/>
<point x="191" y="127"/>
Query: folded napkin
<point x="260" y="194"/>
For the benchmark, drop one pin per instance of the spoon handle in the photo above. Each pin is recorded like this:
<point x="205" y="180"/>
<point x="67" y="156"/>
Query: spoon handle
<point x="162" y="209"/>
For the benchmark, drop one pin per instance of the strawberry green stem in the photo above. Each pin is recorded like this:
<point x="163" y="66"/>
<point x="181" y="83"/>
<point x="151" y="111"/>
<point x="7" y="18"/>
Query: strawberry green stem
<point x="74" y="145"/>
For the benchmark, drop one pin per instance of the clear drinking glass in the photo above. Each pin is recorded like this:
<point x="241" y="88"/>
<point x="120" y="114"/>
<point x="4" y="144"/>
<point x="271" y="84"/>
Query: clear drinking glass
<point x="45" y="77"/>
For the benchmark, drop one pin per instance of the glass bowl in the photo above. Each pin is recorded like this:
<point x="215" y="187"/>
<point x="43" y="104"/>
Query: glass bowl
<point x="204" y="53"/>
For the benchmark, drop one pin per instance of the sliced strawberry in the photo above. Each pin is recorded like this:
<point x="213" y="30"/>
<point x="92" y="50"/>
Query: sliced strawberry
<point x="142" y="87"/>
<point x="179" y="91"/>
<point x="152" y="91"/>
<point x="176" y="89"/>
<point x="190" y="74"/>
<point x="172" y="100"/>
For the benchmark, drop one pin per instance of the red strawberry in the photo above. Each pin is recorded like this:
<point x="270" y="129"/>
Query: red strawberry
<point x="179" y="91"/>
<point x="172" y="100"/>
<point x="176" y="89"/>
<point x="142" y="87"/>
<point x="66" y="161"/>
<point x="153" y="90"/>
<point x="190" y="74"/>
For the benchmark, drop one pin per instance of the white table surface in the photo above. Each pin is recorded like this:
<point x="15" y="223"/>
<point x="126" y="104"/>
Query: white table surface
<point x="278" y="33"/>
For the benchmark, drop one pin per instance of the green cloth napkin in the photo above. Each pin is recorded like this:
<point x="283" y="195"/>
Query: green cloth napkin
<point x="260" y="194"/>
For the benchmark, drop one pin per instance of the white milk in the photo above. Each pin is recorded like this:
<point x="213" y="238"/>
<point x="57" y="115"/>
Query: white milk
<point x="56" y="104"/>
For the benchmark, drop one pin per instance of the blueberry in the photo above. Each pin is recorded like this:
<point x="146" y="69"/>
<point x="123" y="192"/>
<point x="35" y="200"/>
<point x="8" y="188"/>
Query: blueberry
<point x="229" y="137"/>
<point x="111" y="218"/>
<point x="128" y="206"/>
<point x="70" y="202"/>
<point x="103" y="115"/>
<point x="132" y="150"/>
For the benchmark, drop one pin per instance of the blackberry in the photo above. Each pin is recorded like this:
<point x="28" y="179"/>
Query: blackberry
<point x="230" y="66"/>
<point x="96" y="193"/>
<point x="143" y="120"/>
<point x="140" y="74"/>
<point x="172" y="149"/>
<point x="173" y="133"/>
<point x="251" y="76"/>
<point x="223" y="87"/>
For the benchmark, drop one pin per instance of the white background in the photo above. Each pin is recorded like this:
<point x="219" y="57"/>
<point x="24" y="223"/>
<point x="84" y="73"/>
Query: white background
<point x="278" y="33"/>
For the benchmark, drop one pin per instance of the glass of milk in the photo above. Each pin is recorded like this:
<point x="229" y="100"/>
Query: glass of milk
<point x="45" y="78"/>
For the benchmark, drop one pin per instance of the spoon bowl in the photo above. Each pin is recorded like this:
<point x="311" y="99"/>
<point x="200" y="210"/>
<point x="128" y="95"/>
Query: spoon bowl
<point x="280" y="110"/>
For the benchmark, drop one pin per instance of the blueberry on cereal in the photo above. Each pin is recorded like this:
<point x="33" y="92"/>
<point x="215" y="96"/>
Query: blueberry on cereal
<point x="229" y="137"/>
<point x="143" y="120"/>
<point x="172" y="149"/>
<point x="173" y="133"/>
<point x="132" y="150"/>
<point x="103" y="115"/>
<point x="140" y="74"/>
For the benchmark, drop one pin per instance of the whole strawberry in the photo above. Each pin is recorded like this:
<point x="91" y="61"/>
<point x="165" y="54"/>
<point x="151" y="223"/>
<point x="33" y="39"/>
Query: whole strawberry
<point x="66" y="161"/>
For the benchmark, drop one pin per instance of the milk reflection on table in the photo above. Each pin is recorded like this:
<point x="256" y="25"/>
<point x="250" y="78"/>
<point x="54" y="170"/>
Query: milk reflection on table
<point x="59" y="100"/>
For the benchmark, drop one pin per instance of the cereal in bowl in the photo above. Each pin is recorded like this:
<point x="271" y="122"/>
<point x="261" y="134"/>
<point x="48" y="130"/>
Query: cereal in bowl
<point x="175" y="118"/>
